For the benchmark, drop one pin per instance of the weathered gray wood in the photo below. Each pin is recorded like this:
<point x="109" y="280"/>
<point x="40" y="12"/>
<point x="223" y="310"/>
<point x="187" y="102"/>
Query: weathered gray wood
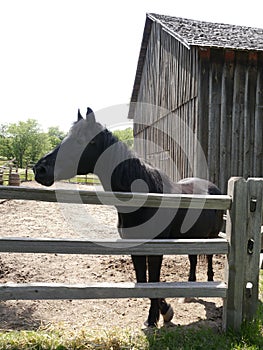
<point x="166" y="60"/>
<point x="33" y="291"/>
<point x="237" y="120"/>
<point x="116" y="198"/>
<point x="258" y="144"/>
<point x="226" y="120"/>
<point x="236" y="227"/>
<point x="253" y="245"/>
<point x="249" y="117"/>
<point x="172" y="75"/>
<point x="114" y="247"/>
<point x="243" y="223"/>
<point x="215" y="88"/>
<point x="203" y="112"/>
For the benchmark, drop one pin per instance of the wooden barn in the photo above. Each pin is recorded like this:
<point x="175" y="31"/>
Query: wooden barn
<point x="198" y="95"/>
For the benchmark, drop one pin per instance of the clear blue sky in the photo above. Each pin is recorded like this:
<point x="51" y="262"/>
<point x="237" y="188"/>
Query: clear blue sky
<point x="59" y="55"/>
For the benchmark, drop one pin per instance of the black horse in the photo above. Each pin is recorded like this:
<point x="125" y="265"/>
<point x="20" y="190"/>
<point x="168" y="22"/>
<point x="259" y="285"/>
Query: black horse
<point x="91" y="148"/>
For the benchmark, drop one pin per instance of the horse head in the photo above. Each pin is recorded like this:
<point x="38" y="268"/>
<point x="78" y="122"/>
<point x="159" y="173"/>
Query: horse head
<point x="75" y="155"/>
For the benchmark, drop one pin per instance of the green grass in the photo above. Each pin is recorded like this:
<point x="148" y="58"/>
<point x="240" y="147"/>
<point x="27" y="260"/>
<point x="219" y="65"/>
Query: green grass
<point x="83" y="179"/>
<point x="250" y="337"/>
<point x="86" y="179"/>
<point x="60" y="339"/>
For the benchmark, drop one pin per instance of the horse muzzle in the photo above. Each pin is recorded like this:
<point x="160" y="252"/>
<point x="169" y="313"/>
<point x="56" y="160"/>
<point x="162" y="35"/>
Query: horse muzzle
<point x="43" y="175"/>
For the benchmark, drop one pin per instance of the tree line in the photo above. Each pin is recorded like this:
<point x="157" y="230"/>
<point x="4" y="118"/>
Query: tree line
<point x="26" y="142"/>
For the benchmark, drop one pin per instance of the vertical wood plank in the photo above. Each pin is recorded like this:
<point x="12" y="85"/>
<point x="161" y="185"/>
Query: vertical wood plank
<point x="236" y="227"/>
<point x="215" y="81"/>
<point x="202" y="118"/>
<point x="258" y="145"/>
<point x="238" y="118"/>
<point x="226" y="120"/>
<point x="249" y="117"/>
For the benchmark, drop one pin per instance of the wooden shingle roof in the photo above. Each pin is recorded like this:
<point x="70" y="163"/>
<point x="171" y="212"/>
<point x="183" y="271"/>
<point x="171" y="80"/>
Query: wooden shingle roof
<point x="199" y="33"/>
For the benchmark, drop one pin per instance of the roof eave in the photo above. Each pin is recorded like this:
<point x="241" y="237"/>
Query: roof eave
<point x="169" y="31"/>
<point x="145" y="39"/>
<point x="140" y="64"/>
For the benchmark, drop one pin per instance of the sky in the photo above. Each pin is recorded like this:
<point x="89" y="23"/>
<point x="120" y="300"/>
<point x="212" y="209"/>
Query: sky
<point x="60" y="55"/>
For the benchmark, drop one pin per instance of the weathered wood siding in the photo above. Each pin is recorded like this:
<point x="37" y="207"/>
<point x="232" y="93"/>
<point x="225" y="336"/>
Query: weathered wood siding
<point x="208" y="96"/>
<point x="230" y="113"/>
<point x="169" y="80"/>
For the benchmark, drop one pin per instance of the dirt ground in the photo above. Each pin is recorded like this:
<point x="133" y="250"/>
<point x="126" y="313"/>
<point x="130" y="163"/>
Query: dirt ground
<point x="41" y="219"/>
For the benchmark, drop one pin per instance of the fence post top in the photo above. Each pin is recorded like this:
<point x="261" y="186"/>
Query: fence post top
<point x="236" y="179"/>
<point x="258" y="181"/>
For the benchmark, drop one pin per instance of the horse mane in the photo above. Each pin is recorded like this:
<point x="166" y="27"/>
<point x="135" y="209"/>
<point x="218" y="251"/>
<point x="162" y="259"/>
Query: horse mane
<point x="134" y="168"/>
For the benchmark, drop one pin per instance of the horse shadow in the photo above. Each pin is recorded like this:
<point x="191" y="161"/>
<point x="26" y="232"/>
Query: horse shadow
<point x="213" y="319"/>
<point x="158" y="335"/>
<point x="18" y="317"/>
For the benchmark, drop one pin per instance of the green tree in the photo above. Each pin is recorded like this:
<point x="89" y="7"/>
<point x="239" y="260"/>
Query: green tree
<point x="4" y="142"/>
<point x="55" y="136"/>
<point x="28" y="142"/>
<point x="125" y="136"/>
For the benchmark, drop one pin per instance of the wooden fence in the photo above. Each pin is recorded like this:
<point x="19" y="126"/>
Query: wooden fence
<point x="242" y="246"/>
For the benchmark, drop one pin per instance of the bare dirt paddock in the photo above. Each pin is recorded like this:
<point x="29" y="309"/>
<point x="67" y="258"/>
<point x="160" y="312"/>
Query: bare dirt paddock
<point x="41" y="219"/>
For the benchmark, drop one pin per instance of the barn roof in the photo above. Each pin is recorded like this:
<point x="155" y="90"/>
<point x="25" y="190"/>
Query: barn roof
<point x="198" y="33"/>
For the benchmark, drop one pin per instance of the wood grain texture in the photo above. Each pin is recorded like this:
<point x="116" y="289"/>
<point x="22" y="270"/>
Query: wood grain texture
<point x="117" y="198"/>
<point x="36" y="291"/>
<point x="114" y="247"/>
<point x="252" y="257"/>
<point x="236" y="232"/>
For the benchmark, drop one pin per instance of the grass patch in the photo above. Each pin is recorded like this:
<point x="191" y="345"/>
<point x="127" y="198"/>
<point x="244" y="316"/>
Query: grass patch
<point x="86" y="179"/>
<point x="59" y="339"/>
<point x="181" y="338"/>
<point x="80" y="179"/>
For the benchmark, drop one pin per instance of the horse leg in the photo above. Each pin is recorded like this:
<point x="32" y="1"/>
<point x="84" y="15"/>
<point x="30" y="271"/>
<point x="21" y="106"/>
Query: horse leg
<point x="139" y="263"/>
<point x="157" y="305"/>
<point x="193" y="263"/>
<point x="154" y="269"/>
<point x="210" y="272"/>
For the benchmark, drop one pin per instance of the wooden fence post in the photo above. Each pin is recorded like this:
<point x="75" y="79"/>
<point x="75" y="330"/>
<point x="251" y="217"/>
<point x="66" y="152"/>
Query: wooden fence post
<point x="243" y="233"/>
<point x="236" y="228"/>
<point x="253" y="247"/>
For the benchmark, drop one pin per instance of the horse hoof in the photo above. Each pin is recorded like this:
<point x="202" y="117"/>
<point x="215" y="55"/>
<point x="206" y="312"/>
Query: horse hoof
<point x="167" y="317"/>
<point x="150" y="325"/>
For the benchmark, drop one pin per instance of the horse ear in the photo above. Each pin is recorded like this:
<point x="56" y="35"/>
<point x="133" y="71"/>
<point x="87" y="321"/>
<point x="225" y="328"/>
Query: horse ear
<point x="79" y="115"/>
<point x="90" y="116"/>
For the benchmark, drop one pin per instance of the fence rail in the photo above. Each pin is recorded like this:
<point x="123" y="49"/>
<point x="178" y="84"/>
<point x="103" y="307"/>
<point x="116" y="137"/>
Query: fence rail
<point x="53" y="291"/>
<point x="242" y="246"/>
<point x="117" y="198"/>
<point x="115" y="247"/>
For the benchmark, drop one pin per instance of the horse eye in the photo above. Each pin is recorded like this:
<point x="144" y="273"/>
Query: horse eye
<point x="92" y="142"/>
